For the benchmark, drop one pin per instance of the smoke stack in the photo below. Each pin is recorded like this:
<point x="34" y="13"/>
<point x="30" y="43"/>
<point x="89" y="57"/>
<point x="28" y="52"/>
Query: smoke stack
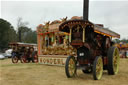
<point x="85" y="9"/>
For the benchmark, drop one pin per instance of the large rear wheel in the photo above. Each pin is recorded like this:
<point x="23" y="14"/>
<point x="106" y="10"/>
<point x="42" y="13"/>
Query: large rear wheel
<point x="113" y="60"/>
<point x="97" y="68"/>
<point x="24" y="59"/>
<point x="70" y="67"/>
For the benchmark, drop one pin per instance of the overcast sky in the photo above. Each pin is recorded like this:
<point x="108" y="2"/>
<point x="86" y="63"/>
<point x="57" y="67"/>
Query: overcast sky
<point x="112" y="13"/>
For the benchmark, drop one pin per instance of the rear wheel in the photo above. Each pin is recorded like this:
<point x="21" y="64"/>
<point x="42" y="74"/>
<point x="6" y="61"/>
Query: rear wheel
<point x="97" y="68"/>
<point x="70" y="67"/>
<point x="24" y="59"/>
<point x="14" y="59"/>
<point x="113" y="60"/>
<point x="35" y="57"/>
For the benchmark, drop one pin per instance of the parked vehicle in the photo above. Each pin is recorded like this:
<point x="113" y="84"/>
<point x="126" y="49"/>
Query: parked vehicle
<point x="24" y="52"/>
<point x="2" y="57"/>
<point x="8" y="53"/>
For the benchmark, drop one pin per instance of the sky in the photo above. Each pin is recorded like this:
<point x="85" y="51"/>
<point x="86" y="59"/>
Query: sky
<point x="112" y="13"/>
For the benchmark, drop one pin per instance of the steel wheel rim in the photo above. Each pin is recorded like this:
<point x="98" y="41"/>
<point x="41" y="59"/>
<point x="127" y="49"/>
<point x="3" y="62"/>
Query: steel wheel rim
<point x="71" y="67"/>
<point x="99" y="68"/>
<point x="116" y="61"/>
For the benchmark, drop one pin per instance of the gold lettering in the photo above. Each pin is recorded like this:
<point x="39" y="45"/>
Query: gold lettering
<point x="50" y="61"/>
<point x="54" y="61"/>
<point x="47" y="60"/>
<point x="58" y="61"/>
<point x="44" y="60"/>
<point x="41" y="60"/>
<point x="62" y="62"/>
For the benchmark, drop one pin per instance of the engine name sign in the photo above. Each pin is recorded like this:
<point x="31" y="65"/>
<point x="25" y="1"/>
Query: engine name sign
<point x="52" y="60"/>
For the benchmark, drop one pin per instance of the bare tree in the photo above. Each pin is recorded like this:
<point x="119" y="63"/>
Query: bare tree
<point x="20" y="25"/>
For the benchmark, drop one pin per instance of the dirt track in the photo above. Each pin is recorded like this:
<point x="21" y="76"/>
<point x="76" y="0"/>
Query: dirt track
<point x="36" y="74"/>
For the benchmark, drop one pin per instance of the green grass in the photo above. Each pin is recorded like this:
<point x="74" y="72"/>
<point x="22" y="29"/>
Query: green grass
<point x="37" y="74"/>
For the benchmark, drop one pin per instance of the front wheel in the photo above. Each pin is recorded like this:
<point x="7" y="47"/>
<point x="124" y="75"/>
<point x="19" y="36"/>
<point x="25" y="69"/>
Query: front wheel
<point x="97" y="68"/>
<point x="14" y="59"/>
<point x="70" y="67"/>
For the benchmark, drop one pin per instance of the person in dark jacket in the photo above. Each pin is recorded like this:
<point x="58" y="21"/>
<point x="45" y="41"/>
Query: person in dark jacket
<point x="29" y="55"/>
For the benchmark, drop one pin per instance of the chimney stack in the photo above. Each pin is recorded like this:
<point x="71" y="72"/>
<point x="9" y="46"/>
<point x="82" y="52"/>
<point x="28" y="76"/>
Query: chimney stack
<point x="85" y="9"/>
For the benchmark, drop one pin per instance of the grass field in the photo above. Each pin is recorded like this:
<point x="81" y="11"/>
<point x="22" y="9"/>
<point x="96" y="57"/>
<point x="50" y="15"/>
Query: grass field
<point x="36" y="74"/>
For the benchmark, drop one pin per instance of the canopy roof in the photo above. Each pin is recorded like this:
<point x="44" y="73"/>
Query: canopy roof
<point x="98" y="29"/>
<point x="23" y="44"/>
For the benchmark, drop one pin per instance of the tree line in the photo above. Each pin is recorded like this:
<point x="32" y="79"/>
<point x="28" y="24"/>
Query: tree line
<point x="124" y="40"/>
<point x="21" y="34"/>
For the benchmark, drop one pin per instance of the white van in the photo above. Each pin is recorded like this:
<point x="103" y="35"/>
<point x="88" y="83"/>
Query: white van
<point x="8" y="53"/>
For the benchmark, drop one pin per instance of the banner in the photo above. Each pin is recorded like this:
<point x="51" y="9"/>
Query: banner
<point x="52" y="60"/>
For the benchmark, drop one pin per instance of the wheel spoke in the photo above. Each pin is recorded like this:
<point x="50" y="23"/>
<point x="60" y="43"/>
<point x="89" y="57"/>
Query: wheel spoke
<point x="71" y="67"/>
<point x="98" y="68"/>
<point x="115" y="61"/>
